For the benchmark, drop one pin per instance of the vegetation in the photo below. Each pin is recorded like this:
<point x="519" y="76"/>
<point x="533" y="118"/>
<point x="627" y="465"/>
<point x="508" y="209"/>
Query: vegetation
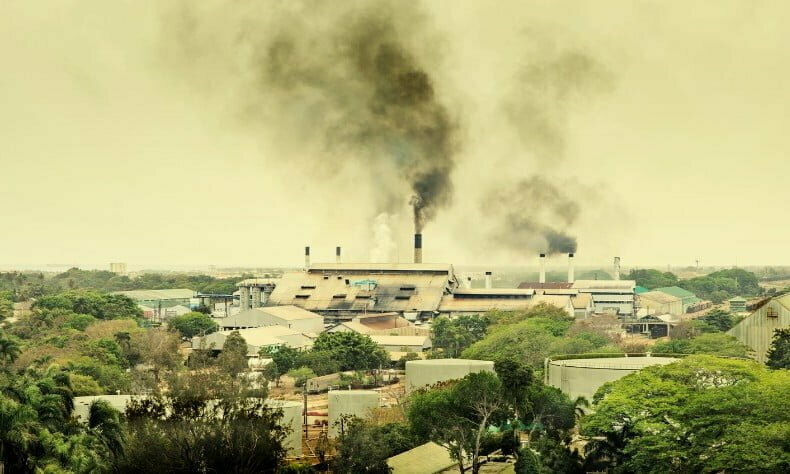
<point x="651" y="279"/>
<point x="717" y="286"/>
<point x="719" y="344"/>
<point x="364" y="446"/>
<point x="454" y="335"/>
<point x="351" y="350"/>
<point x="702" y="414"/>
<point x="779" y="353"/>
<point x="193" y="324"/>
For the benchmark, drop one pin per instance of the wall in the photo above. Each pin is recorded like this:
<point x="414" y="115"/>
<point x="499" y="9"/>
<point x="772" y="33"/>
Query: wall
<point x="757" y="330"/>
<point x="358" y="403"/>
<point x="421" y="373"/>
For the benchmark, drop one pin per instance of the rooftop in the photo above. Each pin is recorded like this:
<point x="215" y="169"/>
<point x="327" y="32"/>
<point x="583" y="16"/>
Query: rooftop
<point x="616" y="363"/>
<point x="429" y="457"/>
<point x="676" y="291"/>
<point x="551" y="285"/>
<point x="169" y="294"/>
<point x="604" y="284"/>
<point x="400" y="340"/>
<point x="659" y="297"/>
<point x="381" y="267"/>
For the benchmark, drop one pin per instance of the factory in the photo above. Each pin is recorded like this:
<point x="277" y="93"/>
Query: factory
<point x="757" y="330"/>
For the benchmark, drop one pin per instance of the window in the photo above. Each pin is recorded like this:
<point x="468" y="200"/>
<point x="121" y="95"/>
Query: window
<point x="339" y="296"/>
<point x="303" y="296"/>
<point x="772" y="313"/>
<point x="308" y="287"/>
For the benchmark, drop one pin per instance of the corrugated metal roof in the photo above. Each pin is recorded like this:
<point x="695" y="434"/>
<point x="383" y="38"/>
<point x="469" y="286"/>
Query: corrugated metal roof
<point x="604" y="284"/>
<point x="289" y="312"/>
<point x="381" y="267"/>
<point x="450" y="304"/>
<point x="427" y="458"/>
<point x="493" y="292"/>
<point x="640" y="289"/>
<point x="169" y="294"/>
<point x="408" y="341"/>
<point x="550" y="285"/>
<point x="612" y="298"/>
<point x="659" y="297"/>
<point x="581" y="301"/>
<point x="676" y="291"/>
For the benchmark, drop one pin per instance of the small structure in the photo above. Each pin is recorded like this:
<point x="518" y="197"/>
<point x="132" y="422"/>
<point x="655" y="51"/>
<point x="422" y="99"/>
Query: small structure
<point x="426" y="458"/>
<point x="357" y="403"/>
<point x="737" y="305"/>
<point x="658" y="302"/>
<point x="402" y="343"/>
<point x="423" y="373"/>
<point x="160" y="301"/>
<point x="258" y="338"/>
<point x="583" y="377"/>
<point x="757" y="329"/>
<point x="686" y="297"/>
<point x="288" y="316"/>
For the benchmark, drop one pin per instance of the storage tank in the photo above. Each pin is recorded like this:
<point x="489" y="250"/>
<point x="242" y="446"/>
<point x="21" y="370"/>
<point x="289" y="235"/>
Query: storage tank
<point x="357" y="403"/>
<point x="583" y="377"/>
<point x="421" y="373"/>
<point x="292" y="419"/>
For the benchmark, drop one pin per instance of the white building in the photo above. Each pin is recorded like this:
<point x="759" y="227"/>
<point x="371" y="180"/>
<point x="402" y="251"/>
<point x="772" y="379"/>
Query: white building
<point x="258" y="338"/>
<point x="757" y="329"/>
<point x="291" y="317"/>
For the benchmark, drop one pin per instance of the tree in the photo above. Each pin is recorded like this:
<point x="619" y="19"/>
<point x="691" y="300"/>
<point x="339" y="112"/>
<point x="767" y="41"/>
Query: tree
<point x="455" y="335"/>
<point x="353" y="351"/>
<point x="105" y="423"/>
<point x="715" y="343"/>
<point x="527" y="462"/>
<point x="719" y="319"/>
<point x="517" y="379"/>
<point x="283" y="359"/>
<point x="457" y="414"/>
<point x="98" y="305"/>
<point x="701" y="414"/>
<point x="193" y="324"/>
<point x="650" y="278"/>
<point x="301" y="375"/>
<point x="527" y="341"/>
<point x="160" y="349"/>
<point x="9" y="349"/>
<point x="321" y="362"/>
<point x="779" y="353"/>
<point x="233" y="358"/>
<point x="362" y="448"/>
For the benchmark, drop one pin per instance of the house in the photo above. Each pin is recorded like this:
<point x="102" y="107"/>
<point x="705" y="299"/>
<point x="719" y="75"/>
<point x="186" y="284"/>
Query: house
<point x="757" y="329"/>
<point x="686" y="297"/>
<point x="737" y="305"/>
<point x="658" y="302"/>
<point x="288" y="316"/>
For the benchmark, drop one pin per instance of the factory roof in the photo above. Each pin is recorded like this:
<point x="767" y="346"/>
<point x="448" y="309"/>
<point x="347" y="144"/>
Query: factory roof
<point x="640" y="289"/>
<point x="256" y="338"/>
<point x="354" y="327"/>
<point x="148" y="295"/>
<point x="463" y="292"/>
<point x="609" y="298"/>
<point x="451" y="303"/>
<point x="581" y="301"/>
<point x="551" y="285"/>
<point x="677" y="292"/>
<point x="429" y="457"/>
<point x="407" y="341"/>
<point x="381" y="267"/>
<point x="257" y="317"/>
<point x="605" y="284"/>
<point x="659" y="297"/>
<point x="357" y="288"/>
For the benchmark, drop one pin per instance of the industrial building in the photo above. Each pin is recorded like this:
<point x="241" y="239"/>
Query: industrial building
<point x="737" y="305"/>
<point x="254" y="292"/>
<point x="687" y="298"/>
<point x="156" y="303"/>
<point x="258" y="338"/>
<point x="378" y="323"/>
<point x="583" y="377"/>
<point x="479" y="301"/>
<point x="350" y="403"/>
<point x="118" y="268"/>
<point x="428" y="457"/>
<point x="287" y="316"/>
<point x="757" y="330"/>
<point x="424" y="373"/>
<point x="658" y="302"/>
<point x="401" y="344"/>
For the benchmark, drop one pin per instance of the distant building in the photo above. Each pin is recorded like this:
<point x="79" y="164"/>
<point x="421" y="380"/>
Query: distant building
<point x="161" y="304"/>
<point x="737" y="305"/>
<point x="287" y="316"/>
<point x="481" y="300"/>
<point x="658" y="302"/>
<point x="686" y="297"/>
<point x="608" y="296"/>
<point x="757" y="329"/>
<point x="379" y="323"/>
<point x="258" y="338"/>
<point x="403" y="343"/>
<point x="428" y="457"/>
<point x="119" y="268"/>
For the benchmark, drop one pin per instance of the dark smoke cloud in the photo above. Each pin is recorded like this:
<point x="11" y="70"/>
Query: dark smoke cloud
<point x="526" y="214"/>
<point x="345" y="79"/>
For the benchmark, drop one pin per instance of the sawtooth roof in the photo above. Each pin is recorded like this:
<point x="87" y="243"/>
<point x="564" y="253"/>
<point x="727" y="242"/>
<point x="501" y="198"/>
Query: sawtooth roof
<point x="676" y="291"/>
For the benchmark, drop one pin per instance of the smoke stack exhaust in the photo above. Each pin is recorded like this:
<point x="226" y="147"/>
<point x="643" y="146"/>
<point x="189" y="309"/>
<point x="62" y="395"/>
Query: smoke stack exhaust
<point x="337" y="254"/>
<point x="542" y="278"/>
<point x="617" y="268"/>
<point x="306" y="258"/>
<point x="488" y="280"/>
<point x="417" y="248"/>
<point x="570" y="268"/>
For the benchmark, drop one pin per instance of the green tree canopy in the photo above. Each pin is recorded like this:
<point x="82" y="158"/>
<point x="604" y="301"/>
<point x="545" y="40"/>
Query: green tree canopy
<point x="702" y="414"/>
<point x="233" y="358"/>
<point x="98" y="305"/>
<point x="193" y="324"/>
<point x="708" y="343"/>
<point x="351" y="350"/>
<point x="455" y="335"/>
<point x="779" y="353"/>
<point x="650" y="278"/>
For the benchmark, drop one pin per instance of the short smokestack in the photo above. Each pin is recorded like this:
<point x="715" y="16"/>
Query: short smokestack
<point x="542" y="278"/>
<point x="417" y="248"/>
<point x="488" y="280"/>
<point x="617" y="268"/>
<point x="337" y="254"/>
<point x="306" y="258"/>
<point x="570" y="268"/>
<point x="469" y="282"/>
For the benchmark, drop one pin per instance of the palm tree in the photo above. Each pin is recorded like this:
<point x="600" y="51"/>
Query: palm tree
<point x="105" y="423"/>
<point x="9" y="349"/>
<point x="18" y="434"/>
<point x="579" y="405"/>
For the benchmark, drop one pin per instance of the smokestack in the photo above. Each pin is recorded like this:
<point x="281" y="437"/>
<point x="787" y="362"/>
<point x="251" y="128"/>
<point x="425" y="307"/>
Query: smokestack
<point x="488" y="280"/>
<point x="542" y="278"/>
<point x="570" y="268"/>
<point x="469" y="282"/>
<point x="306" y="258"/>
<point x="617" y="268"/>
<point x="337" y="254"/>
<point x="417" y="248"/>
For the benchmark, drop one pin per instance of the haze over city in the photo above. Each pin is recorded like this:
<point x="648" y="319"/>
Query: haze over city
<point x="136" y="132"/>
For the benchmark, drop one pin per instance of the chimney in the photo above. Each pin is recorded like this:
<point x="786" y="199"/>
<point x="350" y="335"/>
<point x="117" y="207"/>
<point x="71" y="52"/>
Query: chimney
<point x="542" y="268"/>
<point x="469" y="282"/>
<point x="488" y="280"/>
<point x="417" y="248"/>
<point x="570" y="268"/>
<point x="617" y="268"/>
<point x="306" y="258"/>
<point x="337" y="254"/>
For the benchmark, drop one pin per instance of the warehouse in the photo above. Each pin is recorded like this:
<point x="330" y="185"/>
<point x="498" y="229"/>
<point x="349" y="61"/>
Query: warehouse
<point x="757" y="330"/>
<point x="157" y="302"/>
<point x="402" y="344"/>
<point x="686" y="297"/>
<point x="658" y="302"/>
<point x="258" y="338"/>
<point x="287" y="316"/>
<point x="479" y="301"/>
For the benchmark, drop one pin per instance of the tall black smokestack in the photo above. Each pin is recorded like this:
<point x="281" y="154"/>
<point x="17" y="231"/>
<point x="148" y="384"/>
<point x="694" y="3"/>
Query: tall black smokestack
<point x="542" y="277"/>
<point x="337" y="254"/>
<point x="571" y="276"/>
<point x="306" y="257"/>
<point x="417" y="248"/>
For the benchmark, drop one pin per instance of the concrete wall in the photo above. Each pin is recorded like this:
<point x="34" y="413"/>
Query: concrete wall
<point x="292" y="418"/>
<point x="422" y="373"/>
<point x="357" y="403"/>
<point x="583" y="377"/>
<point x="757" y="330"/>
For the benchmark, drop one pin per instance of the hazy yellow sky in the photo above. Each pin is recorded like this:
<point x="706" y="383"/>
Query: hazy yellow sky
<point x="109" y="153"/>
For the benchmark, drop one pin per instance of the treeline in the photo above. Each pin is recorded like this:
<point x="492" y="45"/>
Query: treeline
<point x="21" y="286"/>
<point x="717" y="286"/>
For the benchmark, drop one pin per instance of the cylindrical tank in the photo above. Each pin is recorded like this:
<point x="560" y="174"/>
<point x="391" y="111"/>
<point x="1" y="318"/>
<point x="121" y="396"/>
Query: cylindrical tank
<point x="421" y="373"/>
<point x="583" y="377"/>
<point x="292" y="418"/>
<point x="357" y="403"/>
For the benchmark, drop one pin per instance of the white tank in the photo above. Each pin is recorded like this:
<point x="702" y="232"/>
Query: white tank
<point x="583" y="377"/>
<point x="292" y="419"/>
<point x="422" y="373"/>
<point x="358" y="403"/>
